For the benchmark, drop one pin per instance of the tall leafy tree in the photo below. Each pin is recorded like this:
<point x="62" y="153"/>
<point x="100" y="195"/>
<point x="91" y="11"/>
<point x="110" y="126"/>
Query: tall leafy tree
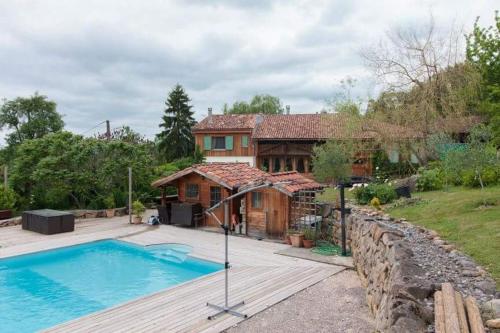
<point x="265" y="104"/>
<point x="483" y="51"/>
<point x="29" y="118"/>
<point x="176" y="139"/>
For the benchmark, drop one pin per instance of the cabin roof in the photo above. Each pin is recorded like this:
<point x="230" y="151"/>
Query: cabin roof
<point x="225" y="122"/>
<point x="236" y="175"/>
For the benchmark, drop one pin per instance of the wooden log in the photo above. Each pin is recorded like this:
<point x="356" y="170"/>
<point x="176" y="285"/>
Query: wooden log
<point x="462" y="317"/>
<point x="475" y="321"/>
<point x="450" y="309"/>
<point x="439" y="324"/>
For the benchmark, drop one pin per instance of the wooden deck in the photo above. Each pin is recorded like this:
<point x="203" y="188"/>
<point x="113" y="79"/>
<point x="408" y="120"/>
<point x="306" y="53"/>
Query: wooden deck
<point x="259" y="276"/>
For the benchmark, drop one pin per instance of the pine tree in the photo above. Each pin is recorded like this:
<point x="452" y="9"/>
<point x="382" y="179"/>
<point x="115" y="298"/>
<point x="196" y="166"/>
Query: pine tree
<point x="176" y="140"/>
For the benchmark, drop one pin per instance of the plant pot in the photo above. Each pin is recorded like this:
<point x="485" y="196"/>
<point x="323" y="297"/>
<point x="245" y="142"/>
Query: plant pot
<point x="5" y="214"/>
<point x="137" y="219"/>
<point x="110" y="212"/>
<point x="308" y="243"/>
<point x="287" y="240"/>
<point x="297" y="239"/>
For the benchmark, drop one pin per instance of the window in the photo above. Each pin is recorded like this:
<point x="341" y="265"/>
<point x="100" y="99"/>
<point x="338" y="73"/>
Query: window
<point x="300" y="165"/>
<point x="244" y="141"/>
<point x="192" y="191"/>
<point x="288" y="164"/>
<point x="394" y="156"/>
<point x="265" y="164"/>
<point x="218" y="142"/>
<point x="215" y="195"/>
<point x="276" y="164"/>
<point x="256" y="199"/>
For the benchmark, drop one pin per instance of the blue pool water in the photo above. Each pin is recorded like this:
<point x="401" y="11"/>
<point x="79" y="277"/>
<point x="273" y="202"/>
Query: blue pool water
<point x="44" y="289"/>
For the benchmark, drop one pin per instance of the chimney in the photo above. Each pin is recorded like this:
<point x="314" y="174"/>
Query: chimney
<point x="210" y="112"/>
<point x="287" y="109"/>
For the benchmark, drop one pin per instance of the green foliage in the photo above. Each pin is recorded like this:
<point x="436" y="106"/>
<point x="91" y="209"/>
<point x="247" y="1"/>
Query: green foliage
<point x="490" y="176"/>
<point x="109" y="201"/>
<point x="176" y="139"/>
<point x="138" y="208"/>
<point x="430" y="180"/>
<point x="482" y="51"/>
<point x="63" y="170"/>
<point x="384" y="192"/>
<point x="375" y="203"/>
<point x="7" y="198"/>
<point x="29" y="118"/>
<point x="333" y="161"/>
<point x="264" y="104"/>
<point x="385" y="169"/>
<point x="309" y="234"/>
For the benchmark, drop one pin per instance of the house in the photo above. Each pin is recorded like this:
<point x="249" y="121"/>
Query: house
<point x="278" y="143"/>
<point x="261" y="213"/>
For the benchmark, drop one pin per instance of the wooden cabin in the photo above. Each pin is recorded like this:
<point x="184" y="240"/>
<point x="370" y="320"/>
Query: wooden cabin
<point x="261" y="213"/>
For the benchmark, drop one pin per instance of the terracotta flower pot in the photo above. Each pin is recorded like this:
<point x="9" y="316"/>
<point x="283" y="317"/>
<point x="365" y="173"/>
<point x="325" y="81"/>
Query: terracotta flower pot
<point x="110" y="212"/>
<point x="308" y="243"/>
<point x="287" y="240"/>
<point x="137" y="219"/>
<point x="297" y="239"/>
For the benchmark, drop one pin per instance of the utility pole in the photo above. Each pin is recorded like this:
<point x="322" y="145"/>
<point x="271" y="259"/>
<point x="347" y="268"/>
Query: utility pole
<point x="108" y="130"/>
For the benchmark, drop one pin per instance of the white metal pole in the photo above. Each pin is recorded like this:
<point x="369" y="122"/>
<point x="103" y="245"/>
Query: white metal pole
<point x="130" y="195"/>
<point x="5" y="176"/>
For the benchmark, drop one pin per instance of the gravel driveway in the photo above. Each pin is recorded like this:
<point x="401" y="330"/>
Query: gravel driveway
<point x="337" y="304"/>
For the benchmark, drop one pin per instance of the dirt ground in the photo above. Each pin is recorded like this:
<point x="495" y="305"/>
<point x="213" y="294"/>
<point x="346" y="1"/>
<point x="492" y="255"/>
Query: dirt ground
<point x="337" y="304"/>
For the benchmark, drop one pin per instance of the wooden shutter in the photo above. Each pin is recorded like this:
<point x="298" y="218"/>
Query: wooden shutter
<point x="244" y="141"/>
<point x="229" y="143"/>
<point x="207" y="142"/>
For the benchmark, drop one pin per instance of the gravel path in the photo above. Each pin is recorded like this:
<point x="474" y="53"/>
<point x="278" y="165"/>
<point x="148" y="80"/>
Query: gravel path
<point x="337" y="304"/>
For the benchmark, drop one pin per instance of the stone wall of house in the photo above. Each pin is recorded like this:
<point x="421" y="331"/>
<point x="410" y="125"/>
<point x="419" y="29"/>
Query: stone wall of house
<point x="402" y="265"/>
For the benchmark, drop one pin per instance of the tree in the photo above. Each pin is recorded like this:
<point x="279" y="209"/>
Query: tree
<point x="176" y="140"/>
<point x="264" y="104"/>
<point x="483" y="51"/>
<point x="342" y="102"/>
<point x="333" y="161"/>
<point x="29" y="118"/>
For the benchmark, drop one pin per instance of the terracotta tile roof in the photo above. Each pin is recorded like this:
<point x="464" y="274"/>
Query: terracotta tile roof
<point x="297" y="182"/>
<point x="222" y="122"/>
<point x="326" y="126"/>
<point x="229" y="175"/>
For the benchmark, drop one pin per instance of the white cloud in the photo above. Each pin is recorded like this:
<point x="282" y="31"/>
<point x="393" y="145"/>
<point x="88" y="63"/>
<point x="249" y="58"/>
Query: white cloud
<point x="117" y="60"/>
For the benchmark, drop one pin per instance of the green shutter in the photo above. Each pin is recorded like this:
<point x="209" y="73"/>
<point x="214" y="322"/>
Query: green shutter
<point x="207" y="142"/>
<point x="244" y="141"/>
<point x="229" y="143"/>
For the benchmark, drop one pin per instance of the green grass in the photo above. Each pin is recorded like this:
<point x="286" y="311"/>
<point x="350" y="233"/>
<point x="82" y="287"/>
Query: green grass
<point x="331" y="195"/>
<point x="459" y="216"/>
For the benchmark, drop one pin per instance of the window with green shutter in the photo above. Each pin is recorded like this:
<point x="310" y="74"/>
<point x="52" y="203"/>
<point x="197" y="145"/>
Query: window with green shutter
<point x="207" y="142"/>
<point x="229" y="143"/>
<point x="244" y="141"/>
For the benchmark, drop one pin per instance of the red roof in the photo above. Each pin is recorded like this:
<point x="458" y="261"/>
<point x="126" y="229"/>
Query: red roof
<point x="235" y="175"/>
<point x="224" y="122"/>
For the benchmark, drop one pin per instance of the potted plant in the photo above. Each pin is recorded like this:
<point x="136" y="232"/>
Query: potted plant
<point x="7" y="202"/>
<point x="109" y="202"/>
<point x="309" y="235"/>
<point x="287" y="236"/>
<point x="138" y="209"/>
<point x="296" y="237"/>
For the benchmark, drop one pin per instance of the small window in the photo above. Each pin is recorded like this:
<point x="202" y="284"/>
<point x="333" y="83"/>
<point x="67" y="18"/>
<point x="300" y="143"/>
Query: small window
<point x="288" y="164"/>
<point x="215" y="195"/>
<point x="192" y="191"/>
<point x="300" y="165"/>
<point x="244" y="141"/>
<point x="276" y="164"/>
<point x="218" y="142"/>
<point x="265" y="164"/>
<point x="256" y="199"/>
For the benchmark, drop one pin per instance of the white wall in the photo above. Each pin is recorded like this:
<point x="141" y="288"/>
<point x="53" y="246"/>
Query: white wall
<point x="242" y="159"/>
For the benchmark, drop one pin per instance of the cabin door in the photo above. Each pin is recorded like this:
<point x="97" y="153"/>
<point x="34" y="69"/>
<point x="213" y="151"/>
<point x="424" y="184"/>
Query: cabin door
<point x="273" y="214"/>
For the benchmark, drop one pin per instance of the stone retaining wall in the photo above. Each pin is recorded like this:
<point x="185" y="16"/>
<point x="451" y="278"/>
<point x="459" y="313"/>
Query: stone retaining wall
<point x="396" y="288"/>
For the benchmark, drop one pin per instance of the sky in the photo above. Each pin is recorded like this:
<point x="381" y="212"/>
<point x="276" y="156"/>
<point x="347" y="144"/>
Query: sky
<point x="117" y="60"/>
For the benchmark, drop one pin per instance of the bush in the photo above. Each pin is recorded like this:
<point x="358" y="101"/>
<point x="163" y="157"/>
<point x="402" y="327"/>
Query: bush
<point x="138" y="208"/>
<point x="375" y="203"/>
<point x="490" y="176"/>
<point x="109" y="202"/>
<point x="430" y="180"/>
<point x="7" y="198"/>
<point x="385" y="193"/>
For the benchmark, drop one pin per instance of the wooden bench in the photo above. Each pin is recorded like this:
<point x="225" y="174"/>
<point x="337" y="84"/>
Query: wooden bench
<point x="454" y="315"/>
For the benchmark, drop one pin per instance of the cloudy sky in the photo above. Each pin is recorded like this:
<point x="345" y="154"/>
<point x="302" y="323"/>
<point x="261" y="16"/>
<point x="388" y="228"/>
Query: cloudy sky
<point x="117" y="60"/>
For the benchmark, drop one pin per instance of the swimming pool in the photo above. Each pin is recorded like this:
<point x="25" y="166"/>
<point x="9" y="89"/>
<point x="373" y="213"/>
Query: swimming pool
<point x="44" y="289"/>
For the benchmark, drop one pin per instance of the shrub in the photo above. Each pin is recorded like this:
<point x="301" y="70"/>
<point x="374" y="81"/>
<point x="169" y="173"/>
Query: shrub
<point x="384" y="192"/>
<point x="489" y="176"/>
<point x="7" y="198"/>
<point x="138" y="208"/>
<point x="430" y="180"/>
<point x="375" y="203"/>
<point x="109" y="202"/>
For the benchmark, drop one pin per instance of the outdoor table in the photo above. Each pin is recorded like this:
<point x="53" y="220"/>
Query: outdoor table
<point x="48" y="221"/>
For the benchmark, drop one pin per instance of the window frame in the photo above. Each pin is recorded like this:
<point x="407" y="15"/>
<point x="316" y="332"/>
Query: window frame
<point x="254" y="198"/>
<point x="214" y="201"/>
<point x="197" y="197"/>
<point x="214" y="140"/>
<point x="245" y="141"/>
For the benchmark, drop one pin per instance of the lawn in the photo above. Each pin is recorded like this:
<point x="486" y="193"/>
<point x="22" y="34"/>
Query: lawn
<point x="459" y="216"/>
